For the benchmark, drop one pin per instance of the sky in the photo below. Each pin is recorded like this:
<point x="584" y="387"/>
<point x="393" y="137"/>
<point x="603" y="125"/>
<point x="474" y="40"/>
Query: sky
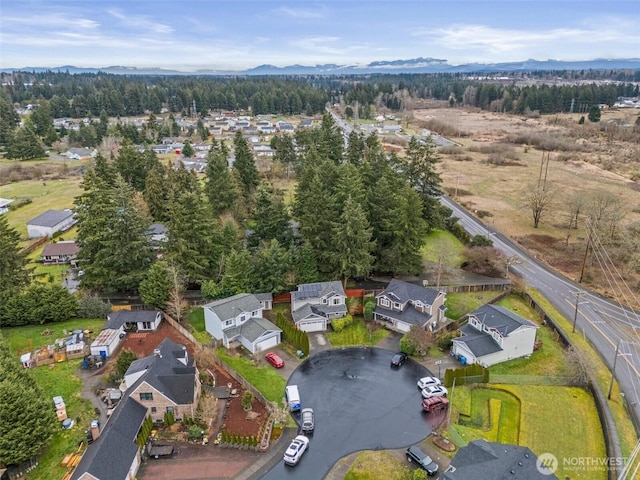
<point x="190" y="35"/>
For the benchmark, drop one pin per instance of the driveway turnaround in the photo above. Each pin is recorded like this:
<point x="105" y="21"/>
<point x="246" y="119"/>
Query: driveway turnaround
<point x="360" y="403"/>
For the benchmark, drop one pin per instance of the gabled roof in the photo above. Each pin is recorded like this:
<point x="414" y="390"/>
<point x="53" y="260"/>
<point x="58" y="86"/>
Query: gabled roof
<point x="264" y="297"/>
<point x="170" y="370"/>
<point x="500" y="318"/>
<point x="309" y="309"/>
<point x="111" y="455"/>
<point x="252" y="329"/>
<point x="4" y="202"/>
<point x="157" y="229"/>
<point x="409" y="315"/>
<point x="405" y="291"/>
<point x="117" y="319"/>
<point x="230" y="307"/>
<point x="51" y="218"/>
<point x="61" y="248"/>
<point x="482" y="460"/>
<point x="480" y="343"/>
<point x="318" y="290"/>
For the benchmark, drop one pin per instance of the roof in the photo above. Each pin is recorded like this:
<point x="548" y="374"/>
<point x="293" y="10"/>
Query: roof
<point x="309" y="309"/>
<point x="116" y="441"/>
<point x="117" y="319"/>
<point x="68" y="247"/>
<point x="405" y="291"/>
<point x="105" y="337"/>
<point x="171" y="371"/>
<point x="157" y="229"/>
<point x="480" y="343"/>
<point x="4" y="202"/>
<point x="318" y="290"/>
<point x="264" y="297"/>
<point x="230" y="307"/>
<point x="482" y="460"/>
<point x="500" y="318"/>
<point x="51" y="218"/>
<point x="409" y="315"/>
<point x="252" y="329"/>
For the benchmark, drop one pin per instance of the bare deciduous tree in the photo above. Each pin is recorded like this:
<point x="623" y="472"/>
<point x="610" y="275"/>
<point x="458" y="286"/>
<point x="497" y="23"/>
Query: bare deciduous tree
<point x="538" y="200"/>
<point x="177" y="307"/>
<point x="579" y="366"/>
<point x="575" y="204"/>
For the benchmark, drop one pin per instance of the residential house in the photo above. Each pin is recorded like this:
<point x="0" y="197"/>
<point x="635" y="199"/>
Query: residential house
<point x="80" y="153"/>
<point x="265" y="299"/>
<point x="482" y="460"/>
<point x="403" y="304"/>
<point x="50" y="222"/>
<point x="140" y="320"/>
<point x="306" y="123"/>
<point x="162" y="149"/>
<point x="313" y="305"/>
<point x="286" y="127"/>
<point x="198" y="165"/>
<point x="239" y="319"/>
<point x="4" y="205"/>
<point x="492" y="335"/>
<point x="263" y="150"/>
<point x="157" y="233"/>
<point x="61" y="252"/>
<point x="391" y="128"/>
<point x="167" y="381"/>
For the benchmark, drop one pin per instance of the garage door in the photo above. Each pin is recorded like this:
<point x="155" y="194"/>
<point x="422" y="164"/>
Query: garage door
<point x="314" y="326"/>
<point x="267" y="343"/>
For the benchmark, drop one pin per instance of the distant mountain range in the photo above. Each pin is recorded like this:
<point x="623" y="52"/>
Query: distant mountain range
<point x="415" y="65"/>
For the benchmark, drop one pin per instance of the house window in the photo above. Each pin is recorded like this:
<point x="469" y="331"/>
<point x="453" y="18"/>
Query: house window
<point x="146" y="396"/>
<point x="228" y="323"/>
<point x="324" y="301"/>
<point x="146" y="325"/>
<point x="153" y="409"/>
<point x="243" y="318"/>
<point x="336" y="301"/>
<point x="254" y="314"/>
<point x="170" y="409"/>
<point x="384" y="302"/>
<point x="397" y="305"/>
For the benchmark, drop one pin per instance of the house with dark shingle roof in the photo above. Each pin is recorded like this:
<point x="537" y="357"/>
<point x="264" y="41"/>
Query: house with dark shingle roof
<point x="240" y="319"/>
<point x="60" y="252"/>
<point x="482" y="460"/>
<point x="403" y="304"/>
<point x="141" y="320"/>
<point x="167" y="381"/>
<point x="313" y="305"/>
<point x="494" y="334"/>
<point x="50" y="222"/>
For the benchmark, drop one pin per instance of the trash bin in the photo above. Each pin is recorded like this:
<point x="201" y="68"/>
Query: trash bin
<point x="300" y="353"/>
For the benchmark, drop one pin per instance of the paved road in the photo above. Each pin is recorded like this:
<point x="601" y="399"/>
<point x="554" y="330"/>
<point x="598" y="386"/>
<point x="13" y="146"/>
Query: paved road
<point x="604" y="323"/>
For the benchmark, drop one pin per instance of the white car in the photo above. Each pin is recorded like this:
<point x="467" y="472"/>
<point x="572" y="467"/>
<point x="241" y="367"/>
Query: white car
<point x="294" y="452"/>
<point x="434" y="391"/>
<point x="424" y="382"/>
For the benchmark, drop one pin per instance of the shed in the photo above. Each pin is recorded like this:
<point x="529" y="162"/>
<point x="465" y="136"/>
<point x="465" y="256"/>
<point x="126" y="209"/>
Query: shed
<point x="107" y="342"/>
<point x="50" y="222"/>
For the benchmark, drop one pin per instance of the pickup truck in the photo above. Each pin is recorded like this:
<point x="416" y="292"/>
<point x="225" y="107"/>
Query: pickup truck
<point x="157" y="451"/>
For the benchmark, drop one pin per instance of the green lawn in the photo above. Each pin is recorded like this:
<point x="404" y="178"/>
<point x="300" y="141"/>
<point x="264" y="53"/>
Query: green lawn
<point x="264" y="378"/>
<point x="459" y="304"/>
<point x="196" y="320"/>
<point x="61" y="380"/>
<point x="370" y="465"/>
<point x="441" y="243"/>
<point x="357" y="334"/>
<point x="52" y="194"/>
<point x="522" y="415"/>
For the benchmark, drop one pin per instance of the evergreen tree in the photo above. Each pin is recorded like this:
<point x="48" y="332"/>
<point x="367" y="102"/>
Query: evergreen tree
<point x="245" y="165"/>
<point x="285" y="152"/>
<point x="155" y="194"/>
<point x="134" y="166"/>
<point x="13" y="272"/>
<point x="190" y="236"/>
<point x="349" y="184"/>
<point x="42" y="118"/>
<point x="187" y="149"/>
<point x="26" y="417"/>
<point x="353" y="242"/>
<point x="271" y="220"/>
<point x="155" y="288"/>
<point x="271" y="266"/>
<point x="305" y="265"/>
<point x="104" y="169"/>
<point x="219" y="187"/>
<point x="355" y="149"/>
<point x="331" y="142"/>
<point x="237" y="277"/>
<point x="594" y="114"/>
<point x="8" y="121"/>
<point x="24" y="145"/>
<point x="180" y="181"/>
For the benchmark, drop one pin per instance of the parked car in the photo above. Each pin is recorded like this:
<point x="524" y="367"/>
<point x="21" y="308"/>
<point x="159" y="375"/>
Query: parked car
<point x="417" y="456"/>
<point x="424" y="382"/>
<point x="398" y="359"/>
<point x="274" y="359"/>
<point x="295" y="450"/>
<point x="308" y="420"/>
<point x="434" y="404"/>
<point x="434" y="391"/>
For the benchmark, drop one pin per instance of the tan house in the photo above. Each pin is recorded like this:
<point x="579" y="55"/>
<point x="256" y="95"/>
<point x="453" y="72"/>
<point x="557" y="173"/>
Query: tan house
<point x="60" y="252"/>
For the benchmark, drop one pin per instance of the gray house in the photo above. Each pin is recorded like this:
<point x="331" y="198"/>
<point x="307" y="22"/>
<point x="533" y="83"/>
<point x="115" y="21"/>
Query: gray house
<point x="239" y="319"/>
<point x="482" y="460"/>
<point x="492" y="335"/>
<point x="313" y="305"/>
<point x="403" y="304"/>
<point x="50" y="222"/>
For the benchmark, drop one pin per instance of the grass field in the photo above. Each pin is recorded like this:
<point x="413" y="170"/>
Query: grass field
<point x="459" y="304"/>
<point x="376" y="465"/>
<point x="61" y="380"/>
<point x="357" y="334"/>
<point x="521" y="415"/>
<point x="442" y="244"/>
<point x="196" y="320"/>
<point x="52" y="194"/>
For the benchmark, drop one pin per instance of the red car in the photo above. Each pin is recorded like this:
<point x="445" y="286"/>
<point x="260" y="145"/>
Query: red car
<point x="274" y="360"/>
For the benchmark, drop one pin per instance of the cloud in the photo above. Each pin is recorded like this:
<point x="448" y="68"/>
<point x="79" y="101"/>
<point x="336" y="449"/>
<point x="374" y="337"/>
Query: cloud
<point x="50" y="21"/>
<point x="140" y="22"/>
<point x="300" y="13"/>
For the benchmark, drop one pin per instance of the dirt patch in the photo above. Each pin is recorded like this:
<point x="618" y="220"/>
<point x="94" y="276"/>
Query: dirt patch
<point x="143" y="343"/>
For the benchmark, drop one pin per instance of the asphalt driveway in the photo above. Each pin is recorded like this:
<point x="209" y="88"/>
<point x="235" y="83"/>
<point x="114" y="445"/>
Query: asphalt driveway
<point x="360" y="403"/>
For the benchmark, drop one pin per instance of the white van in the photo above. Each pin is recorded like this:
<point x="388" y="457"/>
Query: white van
<point x="293" y="398"/>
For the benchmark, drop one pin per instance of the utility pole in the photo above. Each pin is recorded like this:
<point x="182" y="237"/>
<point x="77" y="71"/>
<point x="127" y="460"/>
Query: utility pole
<point x="613" y="370"/>
<point x="573" y="102"/>
<point x="577" y="294"/>
<point x="458" y="176"/>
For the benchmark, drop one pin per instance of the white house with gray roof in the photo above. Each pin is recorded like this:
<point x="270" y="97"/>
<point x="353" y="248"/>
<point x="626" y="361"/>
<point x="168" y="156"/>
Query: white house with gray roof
<point x="492" y="335"/>
<point x="313" y="305"/>
<point x="240" y="319"/>
<point x="50" y="222"/>
<point x="4" y="205"/>
<point x="403" y="304"/>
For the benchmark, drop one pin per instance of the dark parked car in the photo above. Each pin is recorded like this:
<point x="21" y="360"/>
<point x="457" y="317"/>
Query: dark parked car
<point x="417" y="456"/>
<point x="398" y="359"/>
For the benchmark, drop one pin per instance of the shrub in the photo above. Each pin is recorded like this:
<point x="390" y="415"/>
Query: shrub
<point x="406" y="346"/>
<point x="340" y="324"/>
<point x="195" y="432"/>
<point x="247" y="399"/>
<point x="92" y="306"/>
